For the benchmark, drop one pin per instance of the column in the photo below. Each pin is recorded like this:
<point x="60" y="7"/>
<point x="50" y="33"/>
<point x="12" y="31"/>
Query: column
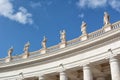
<point x="115" y="68"/>
<point x="87" y="73"/>
<point x="41" y="78"/>
<point x="63" y="76"/>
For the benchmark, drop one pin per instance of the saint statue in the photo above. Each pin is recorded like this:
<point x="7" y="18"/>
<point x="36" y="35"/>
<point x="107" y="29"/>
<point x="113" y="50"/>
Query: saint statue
<point x="26" y="47"/>
<point x="106" y="18"/>
<point x="44" y="42"/>
<point x="10" y="52"/>
<point x="83" y="28"/>
<point x="63" y="36"/>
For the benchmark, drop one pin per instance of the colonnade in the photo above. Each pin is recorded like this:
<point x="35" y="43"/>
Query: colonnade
<point x="88" y="75"/>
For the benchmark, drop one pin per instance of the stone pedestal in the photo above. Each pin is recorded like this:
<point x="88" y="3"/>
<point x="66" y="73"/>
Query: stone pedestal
<point x="62" y="45"/>
<point x="8" y="59"/>
<point x="84" y="37"/>
<point x="43" y="51"/>
<point x="115" y="68"/>
<point x="63" y="76"/>
<point x="107" y="27"/>
<point x="25" y="56"/>
<point x="87" y="73"/>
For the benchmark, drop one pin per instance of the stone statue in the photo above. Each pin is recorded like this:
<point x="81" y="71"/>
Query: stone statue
<point x="44" y="42"/>
<point x="83" y="28"/>
<point x="63" y="36"/>
<point x="106" y="18"/>
<point x="26" y="47"/>
<point x="10" y="52"/>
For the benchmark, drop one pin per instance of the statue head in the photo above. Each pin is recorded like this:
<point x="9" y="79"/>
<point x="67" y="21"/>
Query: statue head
<point x="11" y="48"/>
<point x="27" y="44"/>
<point x="105" y="13"/>
<point x="44" y="39"/>
<point x="83" y="22"/>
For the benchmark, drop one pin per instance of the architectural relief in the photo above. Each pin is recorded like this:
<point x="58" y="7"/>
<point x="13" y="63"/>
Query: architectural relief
<point x="10" y="52"/>
<point x="83" y="28"/>
<point x="92" y="56"/>
<point x="63" y="36"/>
<point x="26" y="50"/>
<point x="26" y="47"/>
<point x="44" y="42"/>
<point x="106" y="18"/>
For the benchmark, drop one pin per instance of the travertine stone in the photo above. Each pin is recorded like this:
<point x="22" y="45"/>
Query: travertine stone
<point x="107" y="27"/>
<point x="8" y="59"/>
<point x="62" y="45"/>
<point x="115" y="68"/>
<point x="63" y="39"/>
<point x="83" y="28"/>
<point x="41" y="78"/>
<point x="26" y="50"/>
<point x="43" y="51"/>
<point x="87" y="73"/>
<point x="100" y="78"/>
<point x="84" y="37"/>
<point x="106" y="18"/>
<point x="25" y="56"/>
<point x="10" y="52"/>
<point x="43" y="44"/>
<point x="63" y="76"/>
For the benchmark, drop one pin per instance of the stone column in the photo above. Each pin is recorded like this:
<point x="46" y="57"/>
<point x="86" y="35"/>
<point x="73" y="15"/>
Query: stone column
<point x="41" y="78"/>
<point x="87" y="73"/>
<point x="115" y="68"/>
<point x="63" y="76"/>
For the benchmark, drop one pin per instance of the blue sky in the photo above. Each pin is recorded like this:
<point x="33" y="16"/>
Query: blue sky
<point x="30" y="20"/>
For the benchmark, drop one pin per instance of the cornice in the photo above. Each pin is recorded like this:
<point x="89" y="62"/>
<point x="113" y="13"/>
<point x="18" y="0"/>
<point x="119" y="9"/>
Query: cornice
<point x="82" y="46"/>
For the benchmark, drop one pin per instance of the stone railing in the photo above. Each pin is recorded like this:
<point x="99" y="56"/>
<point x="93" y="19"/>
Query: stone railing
<point x="116" y="25"/>
<point x="69" y="43"/>
<point x="96" y="33"/>
<point x="2" y="60"/>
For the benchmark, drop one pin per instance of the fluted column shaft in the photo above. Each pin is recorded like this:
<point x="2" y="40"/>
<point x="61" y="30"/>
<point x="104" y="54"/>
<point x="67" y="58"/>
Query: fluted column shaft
<point x="87" y="73"/>
<point x="41" y="78"/>
<point x="63" y="76"/>
<point x="115" y="68"/>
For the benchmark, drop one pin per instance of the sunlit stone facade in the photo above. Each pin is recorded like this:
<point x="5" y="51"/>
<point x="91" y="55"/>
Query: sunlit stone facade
<point x="91" y="56"/>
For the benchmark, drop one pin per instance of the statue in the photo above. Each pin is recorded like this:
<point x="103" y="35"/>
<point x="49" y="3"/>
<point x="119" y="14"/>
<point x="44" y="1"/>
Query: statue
<point x="10" y="52"/>
<point x="106" y="18"/>
<point x="63" y="36"/>
<point x="44" y="42"/>
<point x="26" y="47"/>
<point x="83" y="28"/>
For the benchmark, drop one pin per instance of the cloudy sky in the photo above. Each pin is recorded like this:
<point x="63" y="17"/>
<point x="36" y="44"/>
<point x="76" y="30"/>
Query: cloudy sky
<point x="30" y="20"/>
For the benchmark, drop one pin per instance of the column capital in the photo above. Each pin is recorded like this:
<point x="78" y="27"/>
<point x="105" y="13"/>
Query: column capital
<point x="87" y="73"/>
<point x="62" y="72"/>
<point x="86" y="67"/>
<point x="85" y="64"/>
<point x="113" y="59"/>
<point x="63" y="75"/>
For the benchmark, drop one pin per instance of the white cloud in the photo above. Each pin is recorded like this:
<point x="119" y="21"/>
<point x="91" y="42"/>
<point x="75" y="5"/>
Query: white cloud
<point x="91" y="3"/>
<point x="7" y="10"/>
<point x="35" y="4"/>
<point x="115" y="4"/>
